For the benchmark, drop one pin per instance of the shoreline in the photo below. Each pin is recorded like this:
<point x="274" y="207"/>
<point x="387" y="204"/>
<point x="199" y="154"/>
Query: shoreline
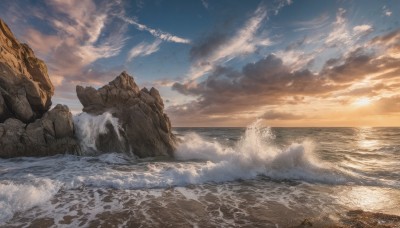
<point x="355" y="218"/>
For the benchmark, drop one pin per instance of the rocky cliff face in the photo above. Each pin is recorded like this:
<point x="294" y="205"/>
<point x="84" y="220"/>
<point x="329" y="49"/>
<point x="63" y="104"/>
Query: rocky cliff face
<point x="26" y="128"/>
<point x="145" y="128"/>
<point x="25" y="86"/>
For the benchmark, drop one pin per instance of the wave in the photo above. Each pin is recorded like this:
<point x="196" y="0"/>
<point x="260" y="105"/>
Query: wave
<point x="200" y="161"/>
<point x="255" y="154"/>
<point x="19" y="197"/>
<point x="89" y="127"/>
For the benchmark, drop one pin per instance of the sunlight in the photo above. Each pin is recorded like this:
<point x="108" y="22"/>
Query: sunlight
<point x="364" y="101"/>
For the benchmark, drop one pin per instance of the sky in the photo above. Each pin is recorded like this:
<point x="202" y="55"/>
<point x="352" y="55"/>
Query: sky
<point x="226" y="63"/>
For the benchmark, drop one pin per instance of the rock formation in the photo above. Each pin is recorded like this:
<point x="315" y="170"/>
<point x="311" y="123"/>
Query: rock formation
<point x="50" y="135"/>
<point x="26" y="128"/>
<point x="145" y="128"/>
<point x="25" y="86"/>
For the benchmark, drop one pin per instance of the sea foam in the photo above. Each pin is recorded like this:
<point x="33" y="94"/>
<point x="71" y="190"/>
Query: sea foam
<point x="255" y="154"/>
<point x="200" y="161"/>
<point x="88" y="127"/>
<point x="16" y="197"/>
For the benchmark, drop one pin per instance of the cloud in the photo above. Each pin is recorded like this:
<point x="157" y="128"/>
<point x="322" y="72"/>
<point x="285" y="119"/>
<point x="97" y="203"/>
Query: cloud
<point x="362" y="29"/>
<point x="339" y="31"/>
<point x="388" y="105"/>
<point x="143" y="49"/>
<point x="155" y="32"/>
<point x="387" y="11"/>
<point x="271" y="82"/>
<point x="351" y="68"/>
<point x="78" y="40"/>
<point x="265" y="82"/>
<point x="204" y="3"/>
<point x="389" y="43"/>
<point x="344" y="37"/>
<point x="219" y="47"/>
<point x="297" y="59"/>
<point x="42" y="44"/>
<point x="315" y="23"/>
<point x="275" y="115"/>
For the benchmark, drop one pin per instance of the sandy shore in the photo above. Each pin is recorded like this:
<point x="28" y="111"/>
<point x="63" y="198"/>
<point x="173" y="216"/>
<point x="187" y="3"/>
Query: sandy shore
<point x="357" y="219"/>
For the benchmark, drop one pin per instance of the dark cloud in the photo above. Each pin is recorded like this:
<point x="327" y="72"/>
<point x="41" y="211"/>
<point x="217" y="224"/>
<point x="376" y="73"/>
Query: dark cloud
<point x="358" y="64"/>
<point x="390" y="41"/>
<point x="265" y="82"/>
<point x="351" y="68"/>
<point x="274" y="115"/>
<point x="390" y="38"/>
<point x="208" y="45"/>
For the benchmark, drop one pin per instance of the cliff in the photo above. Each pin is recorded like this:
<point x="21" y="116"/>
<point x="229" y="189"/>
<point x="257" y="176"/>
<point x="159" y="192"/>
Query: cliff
<point x="27" y="128"/>
<point x="25" y="86"/>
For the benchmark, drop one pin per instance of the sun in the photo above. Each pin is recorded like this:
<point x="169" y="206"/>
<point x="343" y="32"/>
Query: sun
<point x="364" y="101"/>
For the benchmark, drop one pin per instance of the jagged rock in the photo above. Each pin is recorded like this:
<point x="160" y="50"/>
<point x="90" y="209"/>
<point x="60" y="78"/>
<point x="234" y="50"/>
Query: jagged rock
<point x="145" y="128"/>
<point x="26" y="128"/>
<point x="25" y="86"/>
<point x="50" y="135"/>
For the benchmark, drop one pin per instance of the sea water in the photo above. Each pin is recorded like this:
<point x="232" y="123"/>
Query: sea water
<point x="248" y="177"/>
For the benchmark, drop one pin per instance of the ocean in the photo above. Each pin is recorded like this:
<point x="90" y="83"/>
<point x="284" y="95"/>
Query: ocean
<point x="220" y="177"/>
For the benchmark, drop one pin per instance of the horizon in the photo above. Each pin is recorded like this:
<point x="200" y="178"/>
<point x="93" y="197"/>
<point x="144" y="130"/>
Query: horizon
<point x="291" y="63"/>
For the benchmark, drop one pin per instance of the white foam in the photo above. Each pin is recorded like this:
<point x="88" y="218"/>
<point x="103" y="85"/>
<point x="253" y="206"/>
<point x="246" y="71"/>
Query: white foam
<point x="15" y="197"/>
<point x="203" y="161"/>
<point x="88" y="128"/>
<point x="253" y="155"/>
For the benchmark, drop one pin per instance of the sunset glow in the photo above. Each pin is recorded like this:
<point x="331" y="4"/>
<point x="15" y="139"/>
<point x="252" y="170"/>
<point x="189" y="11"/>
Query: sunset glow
<point x="363" y="101"/>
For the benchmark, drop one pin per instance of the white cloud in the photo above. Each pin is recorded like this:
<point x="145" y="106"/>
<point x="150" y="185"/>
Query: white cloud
<point x="387" y="11"/>
<point x="339" y="32"/>
<point x="87" y="20"/>
<point x="296" y="59"/>
<point x="243" y="42"/>
<point x="314" y="23"/>
<point x="362" y="29"/>
<point x="155" y="32"/>
<point x="78" y="41"/>
<point x="144" y="49"/>
<point x="85" y="30"/>
<point x="343" y="36"/>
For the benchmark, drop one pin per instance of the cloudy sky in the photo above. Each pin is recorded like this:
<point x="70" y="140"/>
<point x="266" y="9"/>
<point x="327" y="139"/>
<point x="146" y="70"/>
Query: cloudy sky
<point x="225" y="62"/>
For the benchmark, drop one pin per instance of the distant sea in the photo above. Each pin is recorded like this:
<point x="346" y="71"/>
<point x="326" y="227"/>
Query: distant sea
<point x="224" y="177"/>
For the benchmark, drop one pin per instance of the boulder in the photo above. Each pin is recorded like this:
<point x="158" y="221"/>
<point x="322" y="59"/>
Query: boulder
<point x="25" y="86"/>
<point x="145" y="130"/>
<point x="50" y="135"/>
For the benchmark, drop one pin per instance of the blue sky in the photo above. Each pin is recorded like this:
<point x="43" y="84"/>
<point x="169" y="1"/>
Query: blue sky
<point x="224" y="62"/>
